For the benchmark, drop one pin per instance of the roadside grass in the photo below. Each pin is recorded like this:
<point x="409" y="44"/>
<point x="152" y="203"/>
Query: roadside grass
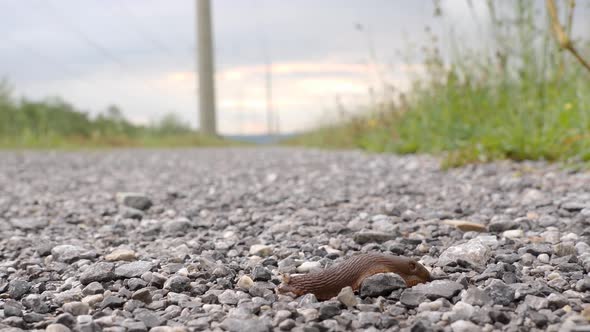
<point x="77" y="143"/>
<point x="520" y="98"/>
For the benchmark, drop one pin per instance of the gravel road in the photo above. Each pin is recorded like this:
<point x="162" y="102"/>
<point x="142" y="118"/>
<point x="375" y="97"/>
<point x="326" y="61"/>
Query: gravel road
<point x="191" y="240"/>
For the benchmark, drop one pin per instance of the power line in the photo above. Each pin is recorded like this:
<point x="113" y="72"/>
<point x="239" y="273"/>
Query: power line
<point x="141" y="31"/>
<point x="86" y="38"/>
<point x="56" y="64"/>
<point x="64" y="69"/>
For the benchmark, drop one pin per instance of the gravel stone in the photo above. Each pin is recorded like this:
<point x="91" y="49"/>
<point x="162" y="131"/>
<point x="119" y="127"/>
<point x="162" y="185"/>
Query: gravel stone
<point x="133" y="269"/>
<point x="475" y="296"/>
<point x="433" y="290"/>
<point x="346" y="297"/>
<point x="372" y="237"/>
<point x="69" y="253"/>
<point x="13" y="308"/>
<point x="228" y="297"/>
<point x="381" y="284"/>
<point x="306" y="267"/>
<point x="499" y="292"/>
<point x="93" y="288"/>
<point x="134" y="200"/>
<point x="101" y="271"/>
<point x="148" y="318"/>
<point x="254" y="325"/>
<point x="28" y="223"/>
<point x="112" y="302"/>
<point x="260" y="250"/>
<point x="76" y="308"/>
<point x="245" y="282"/>
<point x="260" y="273"/>
<point x="475" y="251"/>
<point x="230" y="223"/>
<point x="177" y="283"/>
<point x="18" y="288"/>
<point x="464" y="326"/>
<point x="57" y="328"/>
<point x="120" y="255"/>
<point x="328" y="311"/>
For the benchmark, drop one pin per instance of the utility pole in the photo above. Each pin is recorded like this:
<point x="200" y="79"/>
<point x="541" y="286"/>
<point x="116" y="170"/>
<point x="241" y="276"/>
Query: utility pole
<point x="206" y="71"/>
<point x="269" y="118"/>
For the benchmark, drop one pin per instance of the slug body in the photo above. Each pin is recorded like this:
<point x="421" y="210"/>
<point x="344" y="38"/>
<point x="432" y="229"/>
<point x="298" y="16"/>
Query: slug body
<point x="328" y="283"/>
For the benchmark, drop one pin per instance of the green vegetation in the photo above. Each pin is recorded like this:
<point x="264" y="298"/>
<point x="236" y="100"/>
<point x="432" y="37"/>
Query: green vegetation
<point x="520" y="97"/>
<point x="53" y="123"/>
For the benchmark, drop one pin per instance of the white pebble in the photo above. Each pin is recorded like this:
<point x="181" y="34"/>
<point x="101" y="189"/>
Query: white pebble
<point x="308" y="266"/>
<point x="543" y="258"/>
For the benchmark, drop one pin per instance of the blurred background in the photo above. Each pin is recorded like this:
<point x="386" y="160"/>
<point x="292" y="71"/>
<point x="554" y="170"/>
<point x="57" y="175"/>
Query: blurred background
<point x="476" y="80"/>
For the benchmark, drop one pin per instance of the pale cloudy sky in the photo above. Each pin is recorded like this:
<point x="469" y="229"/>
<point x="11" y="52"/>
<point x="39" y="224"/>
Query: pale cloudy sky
<point x="139" y="54"/>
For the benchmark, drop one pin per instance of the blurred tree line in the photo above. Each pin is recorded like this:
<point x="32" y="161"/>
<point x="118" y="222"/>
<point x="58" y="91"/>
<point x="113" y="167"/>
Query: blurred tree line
<point x="26" y="122"/>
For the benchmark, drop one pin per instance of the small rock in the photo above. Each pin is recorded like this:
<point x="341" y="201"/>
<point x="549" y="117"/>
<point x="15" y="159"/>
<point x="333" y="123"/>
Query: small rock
<point x="245" y="282"/>
<point x="112" y="302"/>
<point x="68" y="253"/>
<point x="120" y="255"/>
<point x="177" y="283"/>
<point x="372" y="237"/>
<point x="328" y="311"/>
<point x="381" y="284"/>
<point x="101" y="271"/>
<point x="541" y="320"/>
<point x="556" y="301"/>
<point x="29" y="223"/>
<point x="347" y="297"/>
<point x="148" y="318"/>
<point x="562" y="250"/>
<point x="66" y="319"/>
<point x="464" y="326"/>
<point x="131" y="213"/>
<point x="366" y="319"/>
<point x="93" y="288"/>
<point x="309" y="314"/>
<point x="76" y="308"/>
<point x="13" y="308"/>
<point x="228" y="297"/>
<point x="308" y="266"/>
<point x="260" y="250"/>
<point x="474" y="251"/>
<point x="573" y="206"/>
<point x="57" y="328"/>
<point x="133" y="269"/>
<point x="92" y="300"/>
<point x="498" y="316"/>
<point x="436" y="289"/>
<point x="499" y="292"/>
<point x="18" y="288"/>
<point x="287" y="325"/>
<point x="538" y="248"/>
<point x="465" y="226"/>
<point x="142" y="295"/>
<point x="543" y="258"/>
<point x="499" y="226"/>
<point x="532" y="196"/>
<point x="461" y="311"/>
<point x="134" y="200"/>
<point x="475" y="296"/>
<point x="513" y="234"/>
<point x="260" y="273"/>
<point x="254" y="325"/>
<point x="177" y="226"/>
<point x="583" y="285"/>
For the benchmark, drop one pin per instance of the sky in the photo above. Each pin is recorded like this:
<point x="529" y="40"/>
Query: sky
<point x="140" y="55"/>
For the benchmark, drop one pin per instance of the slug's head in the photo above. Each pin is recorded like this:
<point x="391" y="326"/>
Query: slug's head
<point x="415" y="273"/>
